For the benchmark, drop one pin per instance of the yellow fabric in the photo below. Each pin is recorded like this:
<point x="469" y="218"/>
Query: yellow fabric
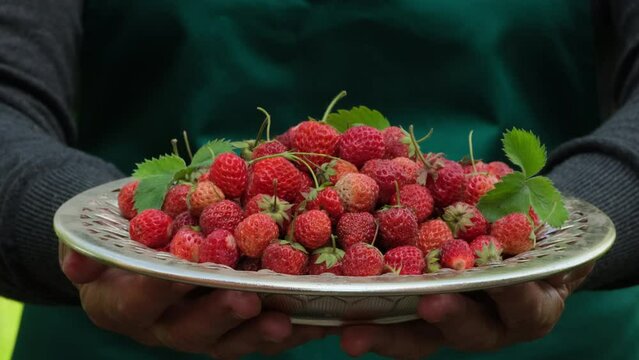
<point x="10" y="314"/>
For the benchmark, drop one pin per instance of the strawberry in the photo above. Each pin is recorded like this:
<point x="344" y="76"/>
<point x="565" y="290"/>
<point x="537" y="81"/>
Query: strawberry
<point x="316" y="137"/>
<point x="358" y="192"/>
<point x="225" y="214"/>
<point x="478" y="185"/>
<point x="356" y="227"/>
<point x="514" y="232"/>
<point x="432" y="234"/>
<point x="184" y="219"/>
<point x="268" y="148"/>
<point x="398" y="226"/>
<point x="537" y="223"/>
<point x="186" y="244"/>
<point x="249" y="264"/>
<point x="396" y="142"/>
<point x="151" y="227"/>
<point x="126" y="201"/>
<point x="286" y="139"/>
<point x="487" y="249"/>
<point x="480" y="167"/>
<point x="417" y="198"/>
<point x="220" y="247"/>
<point x="312" y="229"/>
<point x="499" y="169"/>
<point x="465" y="221"/>
<point x="306" y="186"/>
<point x="405" y="260"/>
<point x="254" y="233"/>
<point x="326" y="260"/>
<point x="447" y="184"/>
<point x="278" y="209"/>
<point x="335" y="169"/>
<point x="408" y="168"/>
<point x="285" y="257"/>
<point x="205" y="193"/>
<point x="385" y="173"/>
<point x="456" y="254"/>
<point x="230" y="173"/>
<point x="328" y="200"/>
<point x="289" y="179"/>
<point x="175" y="200"/>
<point x="360" y="144"/>
<point x="363" y="260"/>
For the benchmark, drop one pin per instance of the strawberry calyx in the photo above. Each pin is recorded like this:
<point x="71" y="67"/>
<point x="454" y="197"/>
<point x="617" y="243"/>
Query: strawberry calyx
<point x="458" y="217"/>
<point x="432" y="261"/>
<point x="489" y="254"/>
<point x="293" y="244"/>
<point x="330" y="255"/>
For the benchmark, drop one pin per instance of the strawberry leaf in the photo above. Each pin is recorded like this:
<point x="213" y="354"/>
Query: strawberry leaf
<point x="151" y="191"/>
<point x="510" y="195"/>
<point x="547" y="201"/>
<point x="525" y="150"/>
<point x="163" y="165"/>
<point x="207" y="153"/>
<point x="342" y="120"/>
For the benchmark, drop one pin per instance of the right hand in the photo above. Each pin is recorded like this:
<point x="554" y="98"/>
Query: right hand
<point x="220" y="323"/>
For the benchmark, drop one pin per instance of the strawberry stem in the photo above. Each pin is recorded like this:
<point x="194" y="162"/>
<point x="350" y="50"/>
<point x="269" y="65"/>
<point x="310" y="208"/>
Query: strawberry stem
<point x="268" y="124"/>
<point x="470" y="148"/>
<point x="333" y="242"/>
<point x="174" y="143"/>
<point x="310" y="169"/>
<point x="399" y="203"/>
<point x="425" y="137"/>
<point x="188" y="146"/>
<point x="332" y="104"/>
<point x="274" y="207"/>
<point x="376" y="232"/>
<point x="418" y="151"/>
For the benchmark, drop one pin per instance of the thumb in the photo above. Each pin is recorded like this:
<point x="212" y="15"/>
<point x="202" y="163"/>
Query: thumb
<point x="78" y="268"/>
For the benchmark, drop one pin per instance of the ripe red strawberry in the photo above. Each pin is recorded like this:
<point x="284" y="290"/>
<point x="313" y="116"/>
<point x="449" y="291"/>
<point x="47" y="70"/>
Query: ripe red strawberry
<point x="360" y="144"/>
<point x="175" y="200"/>
<point x="230" y="173"/>
<point x="285" y="257"/>
<point x="306" y="185"/>
<point x="432" y="234"/>
<point x="480" y="167"/>
<point x="363" y="260"/>
<point x="478" y="185"/>
<point x="385" y="173"/>
<point x="312" y="229"/>
<point x="316" y="137"/>
<point x="487" y="249"/>
<point x="537" y="223"/>
<point x="499" y="169"/>
<point x="289" y="179"/>
<point x="397" y="142"/>
<point x="204" y="176"/>
<point x="254" y="233"/>
<point x="335" y="169"/>
<point x="220" y="247"/>
<point x="286" y="139"/>
<point x="456" y="254"/>
<point x="268" y="148"/>
<point x="417" y="198"/>
<point x="225" y="214"/>
<point x="278" y="209"/>
<point x="447" y="185"/>
<point x="355" y="227"/>
<point x="358" y="192"/>
<point x="184" y="219"/>
<point x="151" y="227"/>
<point x="205" y="193"/>
<point x="249" y="264"/>
<point x="409" y="169"/>
<point x="326" y="260"/>
<point x="397" y="226"/>
<point x="514" y="232"/>
<point x="465" y="221"/>
<point x="186" y="244"/>
<point x="405" y="260"/>
<point x="126" y="201"/>
<point x="328" y="200"/>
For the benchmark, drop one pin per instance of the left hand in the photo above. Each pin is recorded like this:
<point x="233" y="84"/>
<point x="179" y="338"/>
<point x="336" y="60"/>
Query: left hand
<point x="496" y="318"/>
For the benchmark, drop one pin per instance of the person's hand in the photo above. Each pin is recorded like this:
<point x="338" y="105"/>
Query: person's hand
<point x="483" y="321"/>
<point x="221" y="323"/>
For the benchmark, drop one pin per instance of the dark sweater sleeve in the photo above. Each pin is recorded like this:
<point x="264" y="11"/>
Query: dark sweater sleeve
<point x="39" y="170"/>
<point x="603" y="167"/>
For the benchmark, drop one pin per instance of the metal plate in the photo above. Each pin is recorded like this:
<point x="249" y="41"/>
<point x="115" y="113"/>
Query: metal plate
<point x="90" y="223"/>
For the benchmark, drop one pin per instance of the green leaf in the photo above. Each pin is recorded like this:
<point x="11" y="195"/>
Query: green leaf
<point x="342" y="120"/>
<point x="510" y="195"/>
<point x="525" y="150"/>
<point x="207" y="153"/>
<point x="164" y="165"/>
<point x="547" y="201"/>
<point x="151" y="191"/>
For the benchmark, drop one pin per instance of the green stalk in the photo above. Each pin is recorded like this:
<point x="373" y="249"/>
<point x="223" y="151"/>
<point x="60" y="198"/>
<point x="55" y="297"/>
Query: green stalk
<point x="174" y="146"/>
<point x="268" y="124"/>
<point x="420" y="156"/>
<point x="332" y="104"/>
<point x="470" y="147"/>
<point x="188" y="145"/>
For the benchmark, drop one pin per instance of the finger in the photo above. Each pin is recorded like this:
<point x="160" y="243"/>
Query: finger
<point x="528" y="311"/>
<point x="299" y="335"/>
<point x="269" y="327"/>
<point x="465" y="324"/>
<point x="78" y="268"/>
<point x="568" y="282"/>
<point x="196" y="325"/>
<point x="415" y="339"/>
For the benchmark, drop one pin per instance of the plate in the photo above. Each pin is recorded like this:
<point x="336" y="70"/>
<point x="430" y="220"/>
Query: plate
<point x="91" y="224"/>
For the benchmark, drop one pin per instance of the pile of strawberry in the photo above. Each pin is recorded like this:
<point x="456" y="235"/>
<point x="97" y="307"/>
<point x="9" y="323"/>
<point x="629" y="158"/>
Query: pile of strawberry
<point x="350" y="195"/>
